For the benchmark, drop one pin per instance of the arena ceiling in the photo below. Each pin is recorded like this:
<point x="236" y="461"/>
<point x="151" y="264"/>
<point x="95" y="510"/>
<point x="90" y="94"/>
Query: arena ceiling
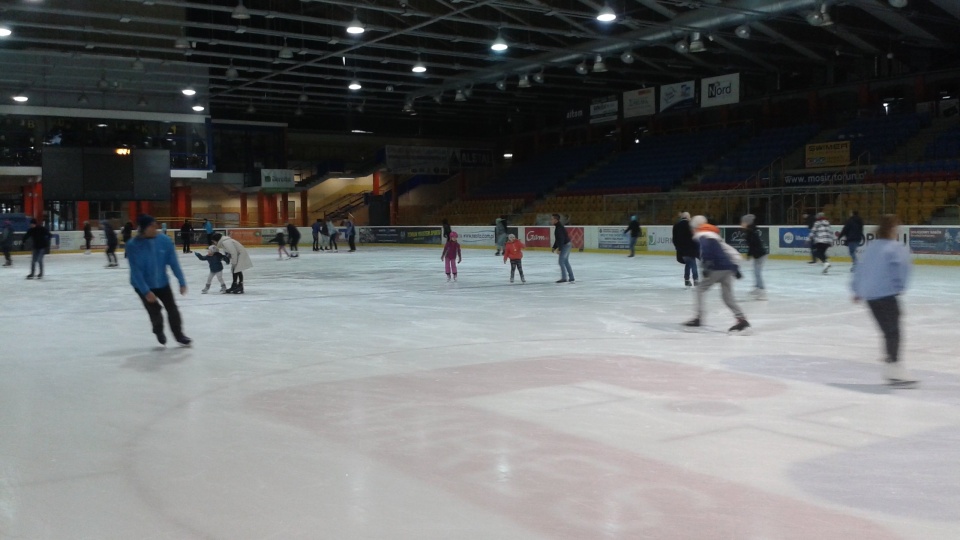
<point x="293" y="60"/>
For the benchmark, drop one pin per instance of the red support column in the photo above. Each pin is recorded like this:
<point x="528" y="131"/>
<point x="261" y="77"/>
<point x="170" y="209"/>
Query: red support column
<point x="28" y="200"/>
<point x="187" y="202"/>
<point x="376" y="183"/>
<point x="394" y="204"/>
<point x="132" y="212"/>
<point x="83" y="213"/>
<point x="261" y="209"/>
<point x="38" y="206"/>
<point x="284" y="208"/>
<point x="144" y="207"/>
<point x="243" y="209"/>
<point x="304" y="211"/>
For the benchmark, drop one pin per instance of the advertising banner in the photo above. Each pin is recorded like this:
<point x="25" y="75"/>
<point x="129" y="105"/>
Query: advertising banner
<point x="421" y="235"/>
<point x="252" y="237"/>
<point x="615" y="238"/>
<point x="380" y="235"/>
<point x="722" y="90"/>
<point x="537" y="237"/>
<point x="604" y="109"/>
<point x="839" y="177"/>
<point x="659" y="238"/>
<point x="674" y="97"/>
<point x="935" y="240"/>
<point x="642" y="102"/>
<point x="479" y="236"/>
<point x="576" y="235"/>
<point x="276" y="179"/>
<point x="473" y="158"/>
<point x="737" y="237"/>
<point x="436" y="159"/>
<point x="831" y="154"/>
<point x="576" y="115"/>
<point x="795" y="239"/>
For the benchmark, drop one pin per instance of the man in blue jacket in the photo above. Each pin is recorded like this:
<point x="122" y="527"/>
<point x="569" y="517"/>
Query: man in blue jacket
<point x="150" y="253"/>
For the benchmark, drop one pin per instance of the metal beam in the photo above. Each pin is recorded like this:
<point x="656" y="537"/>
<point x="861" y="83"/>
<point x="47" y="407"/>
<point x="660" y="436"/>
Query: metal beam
<point x="770" y="32"/>
<point x="896" y="20"/>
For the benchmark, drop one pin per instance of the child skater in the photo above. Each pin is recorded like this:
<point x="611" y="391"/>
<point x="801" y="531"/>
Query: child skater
<point x="215" y="259"/>
<point x="513" y="250"/>
<point x="451" y="256"/>
<point x="281" y="244"/>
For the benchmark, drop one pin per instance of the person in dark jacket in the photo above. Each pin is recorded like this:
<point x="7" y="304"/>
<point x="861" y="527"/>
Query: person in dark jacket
<point x="293" y="234"/>
<point x="186" y="236"/>
<point x="215" y="260"/>
<point x="317" y="227"/>
<point x="6" y="242"/>
<point x="325" y="233"/>
<point x="634" y="229"/>
<point x="150" y="253"/>
<point x="350" y="232"/>
<point x="810" y="220"/>
<point x="87" y="236"/>
<point x="281" y="243"/>
<point x="126" y="233"/>
<point x="757" y="252"/>
<point x="446" y="229"/>
<point x="562" y="243"/>
<point x="40" y="236"/>
<point x="500" y="233"/>
<point x="688" y="249"/>
<point x="721" y="264"/>
<point x="112" y="242"/>
<point x="852" y="233"/>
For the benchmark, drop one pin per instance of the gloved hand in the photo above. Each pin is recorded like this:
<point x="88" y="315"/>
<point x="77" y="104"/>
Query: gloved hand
<point x="739" y="275"/>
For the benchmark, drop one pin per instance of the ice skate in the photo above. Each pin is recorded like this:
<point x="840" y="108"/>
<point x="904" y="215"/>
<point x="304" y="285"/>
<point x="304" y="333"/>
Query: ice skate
<point x="8" y="263"/>
<point x="739" y="328"/>
<point x="511" y="280"/>
<point x="223" y="289"/>
<point x="897" y="377"/>
<point x="449" y="278"/>
<point x="760" y="294"/>
<point x="205" y="290"/>
<point x="693" y="323"/>
<point x="696" y="282"/>
<point x="184" y="341"/>
<point x="523" y="279"/>
<point x="161" y="338"/>
<point x="826" y="267"/>
<point x="239" y="289"/>
<point x="30" y="276"/>
<point x="454" y="277"/>
<point x="561" y="281"/>
<point x="687" y="283"/>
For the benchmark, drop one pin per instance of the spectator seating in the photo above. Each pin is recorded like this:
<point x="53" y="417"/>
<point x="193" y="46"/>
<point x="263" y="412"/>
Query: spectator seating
<point x="543" y="173"/>
<point x="881" y="135"/>
<point x="759" y="152"/>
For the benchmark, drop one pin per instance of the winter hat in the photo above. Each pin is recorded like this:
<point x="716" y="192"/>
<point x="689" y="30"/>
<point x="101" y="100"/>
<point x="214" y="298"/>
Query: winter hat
<point x="685" y="215"/>
<point x="697" y="221"/>
<point x="453" y="236"/>
<point x="821" y="215"/>
<point x="633" y="218"/>
<point x="748" y="219"/>
<point x="511" y="237"/>
<point x="211" y="249"/>
<point x="280" y="231"/>
<point x="144" y="221"/>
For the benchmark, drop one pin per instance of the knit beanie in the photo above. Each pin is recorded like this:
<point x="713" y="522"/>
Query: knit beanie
<point x="144" y="221"/>
<point x="748" y="219"/>
<point x="697" y="221"/>
<point x="685" y="215"/>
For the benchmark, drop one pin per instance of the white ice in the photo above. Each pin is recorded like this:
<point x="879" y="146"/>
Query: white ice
<point x="360" y="396"/>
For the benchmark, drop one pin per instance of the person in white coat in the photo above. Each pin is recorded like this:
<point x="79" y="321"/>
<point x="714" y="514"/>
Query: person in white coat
<point x="239" y="260"/>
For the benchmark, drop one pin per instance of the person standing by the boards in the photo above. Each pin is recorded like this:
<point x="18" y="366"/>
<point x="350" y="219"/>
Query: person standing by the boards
<point x="186" y="235"/>
<point x="634" y="229"/>
<point x="562" y="244"/>
<point x="87" y="237"/>
<point x="40" y="236"/>
<point x="112" y="243"/>
<point x="150" y="253"/>
<point x="688" y="250"/>
<point x="6" y="242"/>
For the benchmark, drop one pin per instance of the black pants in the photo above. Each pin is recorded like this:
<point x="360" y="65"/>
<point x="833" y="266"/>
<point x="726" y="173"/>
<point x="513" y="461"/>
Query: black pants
<point x="293" y="247"/>
<point x="186" y="246"/>
<point x="516" y="265"/>
<point x="6" y="254"/>
<point x="112" y="254"/>
<point x="237" y="279"/>
<point x="333" y="241"/>
<point x="316" y="242"/>
<point x="887" y="313"/>
<point x="820" y="252"/>
<point x="155" y="310"/>
<point x="88" y="243"/>
<point x="352" y="240"/>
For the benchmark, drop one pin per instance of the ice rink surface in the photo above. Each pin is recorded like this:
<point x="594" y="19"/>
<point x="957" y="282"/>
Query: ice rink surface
<point x="360" y="396"/>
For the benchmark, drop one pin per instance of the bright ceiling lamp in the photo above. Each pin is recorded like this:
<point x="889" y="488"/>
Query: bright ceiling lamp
<point x="5" y="31"/>
<point x="419" y="67"/>
<point x="821" y="17"/>
<point x="627" y="57"/>
<point x="198" y="108"/>
<point x="696" y="43"/>
<point x="355" y="27"/>
<point x="743" y="31"/>
<point x="21" y="97"/>
<point x="582" y="68"/>
<point x="285" y="52"/>
<point x="598" y="65"/>
<point x="240" y="12"/>
<point x="606" y="14"/>
<point x="189" y="91"/>
<point x="355" y="85"/>
<point x="499" y="44"/>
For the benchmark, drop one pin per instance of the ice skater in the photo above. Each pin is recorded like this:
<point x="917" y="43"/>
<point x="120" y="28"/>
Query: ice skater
<point x="513" y="251"/>
<point x="721" y="264"/>
<point x="562" y="244"/>
<point x="756" y="251"/>
<point x="293" y="234"/>
<point x="150" y="254"/>
<point x="215" y="260"/>
<point x="852" y="233"/>
<point x="351" y="233"/>
<point x="87" y="237"/>
<point x="6" y="242"/>
<point x="500" y="232"/>
<point x="445" y="229"/>
<point x="126" y="233"/>
<point x="238" y="258"/>
<point x="821" y="236"/>
<point x="635" y="231"/>
<point x="40" y="236"/>
<point x="186" y="235"/>
<point x="281" y="245"/>
<point x="879" y="278"/>
<point x="334" y="234"/>
<point x="451" y="256"/>
<point x="317" y="227"/>
<point x="208" y="229"/>
<point x="112" y="243"/>
<point x="688" y="250"/>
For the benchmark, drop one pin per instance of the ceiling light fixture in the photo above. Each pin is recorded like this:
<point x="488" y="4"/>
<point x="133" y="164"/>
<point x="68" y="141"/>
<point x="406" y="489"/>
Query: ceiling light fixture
<point x="137" y="64"/>
<point x="303" y="96"/>
<point x="538" y="77"/>
<point x="355" y="27"/>
<point x="355" y="85"/>
<point x="502" y="85"/>
<point x="82" y="100"/>
<point x="499" y="44"/>
<point x="285" y="52"/>
<point x="459" y="96"/>
<point x="198" y="108"/>
<point x="606" y="14"/>
<point x="743" y="31"/>
<point x="419" y="67"/>
<point x="21" y="97"/>
<point x="103" y="84"/>
<point x="681" y="46"/>
<point x="240" y="12"/>
<point x="389" y="88"/>
<point x="524" y="81"/>
<point x="251" y="109"/>
<point x="181" y="43"/>
<point x="362" y="106"/>
<point x="899" y="4"/>
<point x="820" y="17"/>
<point x="469" y="91"/>
<point x="627" y="57"/>
<point x="142" y="102"/>
<point x="598" y="65"/>
<point x="189" y="91"/>
<point x="582" y="68"/>
<point x="298" y="112"/>
<point x="5" y="31"/>
<point x="232" y="72"/>
<point x="696" y="43"/>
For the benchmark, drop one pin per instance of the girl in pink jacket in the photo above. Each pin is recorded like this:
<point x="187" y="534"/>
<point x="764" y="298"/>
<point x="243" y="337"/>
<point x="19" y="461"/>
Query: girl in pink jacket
<point x="451" y="256"/>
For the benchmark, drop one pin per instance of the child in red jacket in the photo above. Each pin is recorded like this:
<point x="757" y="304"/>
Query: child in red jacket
<point x="451" y="254"/>
<point x="513" y="250"/>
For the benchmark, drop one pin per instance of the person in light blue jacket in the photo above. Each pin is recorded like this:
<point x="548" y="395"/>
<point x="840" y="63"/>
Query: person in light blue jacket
<point x="879" y="277"/>
<point x="150" y="253"/>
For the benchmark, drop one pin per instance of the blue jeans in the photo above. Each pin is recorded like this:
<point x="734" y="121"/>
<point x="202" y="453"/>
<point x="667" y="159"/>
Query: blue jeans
<point x="566" y="271"/>
<point x="758" y="270"/>
<point x="690" y="265"/>
<point x="633" y="245"/>
<point x="37" y="259"/>
<point x="853" y="252"/>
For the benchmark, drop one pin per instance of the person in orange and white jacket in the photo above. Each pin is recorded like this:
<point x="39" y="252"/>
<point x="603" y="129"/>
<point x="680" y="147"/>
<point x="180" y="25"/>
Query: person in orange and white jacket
<point x="720" y="264"/>
<point x="513" y="251"/>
